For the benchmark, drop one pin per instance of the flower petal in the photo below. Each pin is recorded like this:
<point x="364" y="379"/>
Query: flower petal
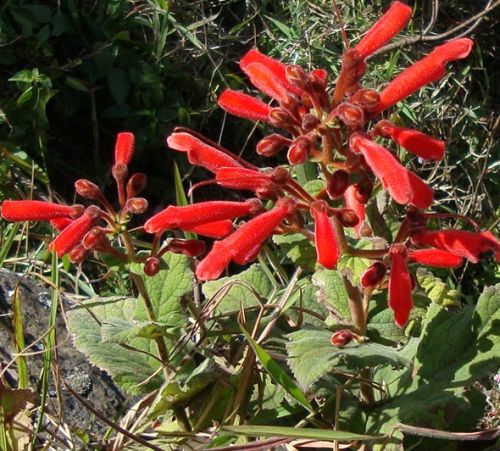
<point x="400" y="300"/>
<point x="245" y="179"/>
<point x="36" y="210"/>
<point x="217" y="229"/>
<point x="353" y="204"/>
<point x="242" y="105"/>
<point x="403" y="186"/>
<point x="327" y="247"/>
<point x="436" y="257"/>
<point x="389" y="25"/>
<point x="124" y="148"/>
<point x="427" y="70"/>
<point x="264" y="80"/>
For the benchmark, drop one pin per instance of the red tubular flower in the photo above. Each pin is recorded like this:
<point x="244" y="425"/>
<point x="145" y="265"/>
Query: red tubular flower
<point x="327" y="248"/>
<point x="276" y="67"/>
<point x="400" y="300"/>
<point x="242" y="105"/>
<point x="124" y="148"/>
<point x="248" y="179"/>
<point x="435" y="257"/>
<point x="200" y="153"/>
<point x="427" y="70"/>
<point x="388" y="26"/>
<point x="241" y="246"/>
<point x="469" y="245"/>
<point x="264" y="80"/>
<point x="217" y="229"/>
<point x="73" y="234"/>
<point x="416" y="142"/>
<point x="60" y="223"/>
<point x="403" y="185"/>
<point x="201" y="213"/>
<point x="353" y="204"/>
<point x="37" y="210"/>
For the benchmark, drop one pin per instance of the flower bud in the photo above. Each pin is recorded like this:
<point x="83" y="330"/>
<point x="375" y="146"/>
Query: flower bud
<point x="280" y="176"/>
<point x="87" y="189"/>
<point x="298" y="77"/>
<point x="77" y="211"/>
<point x="137" y="205"/>
<point x="290" y="102"/>
<point x="119" y="171"/>
<point x="310" y="122"/>
<point x="96" y="240"/>
<point x="136" y="184"/>
<point x="78" y="254"/>
<point x="373" y="275"/>
<point x="319" y="79"/>
<point x="280" y="118"/>
<point x="367" y="99"/>
<point x="350" y="114"/>
<point x="298" y="152"/>
<point x="152" y="266"/>
<point x="338" y="183"/>
<point x="191" y="248"/>
<point x="270" y="145"/>
<point x="348" y="217"/>
<point x="341" y="338"/>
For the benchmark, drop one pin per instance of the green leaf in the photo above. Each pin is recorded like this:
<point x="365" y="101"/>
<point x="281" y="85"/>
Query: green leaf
<point x="332" y="294"/>
<point x="119" y="84"/>
<point x="314" y="187"/>
<point x="301" y="433"/>
<point x="454" y="351"/>
<point x="167" y="289"/>
<point x="120" y="330"/>
<point x="129" y="369"/>
<point x="304" y="297"/>
<point x="436" y="290"/>
<point x="277" y="373"/>
<point x="312" y="356"/>
<point x="241" y="291"/>
<point x="298" y="249"/>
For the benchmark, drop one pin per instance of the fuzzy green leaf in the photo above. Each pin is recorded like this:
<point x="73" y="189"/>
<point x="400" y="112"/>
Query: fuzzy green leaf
<point x="332" y="294"/>
<point x="435" y="289"/>
<point x="120" y="330"/>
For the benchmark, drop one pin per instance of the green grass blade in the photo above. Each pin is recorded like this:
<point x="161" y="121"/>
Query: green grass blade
<point x="277" y="373"/>
<point x="180" y="196"/>
<point x="300" y="433"/>
<point x="19" y="344"/>
<point x="9" y="239"/>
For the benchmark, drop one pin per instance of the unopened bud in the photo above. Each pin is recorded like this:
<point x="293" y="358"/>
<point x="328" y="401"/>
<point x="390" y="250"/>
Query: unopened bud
<point x="373" y="275"/>
<point x="96" y="240"/>
<point x="310" y="122"/>
<point x="342" y="338"/>
<point x="152" y="266"/>
<point x="270" y="145"/>
<point x="348" y="217"/>
<point x="280" y="118"/>
<point x="137" y="205"/>
<point x="306" y="101"/>
<point x="351" y="115"/>
<point x="136" y="184"/>
<point x="191" y="248"/>
<point x="398" y="249"/>
<point x="298" y="152"/>
<point x="77" y="211"/>
<point x="266" y="193"/>
<point x="87" y="189"/>
<point x="280" y="176"/>
<point x="298" y="77"/>
<point x="78" y="254"/>
<point x="367" y="99"/>
<point x="290" y="102"/>
<point x="94" y="212"/>
<point x="338" y="183"/>
<point x="319" y="79"/>
<point x="119" y="171"/>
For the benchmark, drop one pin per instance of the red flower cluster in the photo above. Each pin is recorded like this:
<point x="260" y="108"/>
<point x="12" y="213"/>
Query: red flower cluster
<point x="333" y="126"/>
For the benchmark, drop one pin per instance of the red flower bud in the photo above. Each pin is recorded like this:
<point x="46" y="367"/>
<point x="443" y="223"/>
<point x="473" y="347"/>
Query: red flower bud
<point x="124" y="148"/>
<point x="119" y="171"/>
<point x="298" y="153"/>
<point x="388" y="26"/>
<point x="37" y="210"/>
<point x="367" y="99"/>
<point x="270" y="145"/>
<point x="242" y="105"/>
<point x="310" y="122"/>
<point x="351" y="115"/>
<point x="137" y="205"/>
<point x="427" y="70"/>
<point x="319" y="79"/>
<point x="60" y="223"/>
<point x="403" y="185"/>
<point x="136" y="184"/>
<point x="347" y="217"/>
<point x="87" y="189"/>
<point x="373" y="275"/>
<point x="78" y="254"/>
<point x="200" y="153"/>
<point x="152" y="266"/>
<point x="416" y="142"/>
<point x="280" y="118"/>
<point x="337" y="184"/>
<point x="191" y="248"/>
<point x="96" y="240"/>
<point x="342" y="338"/>
<point x="298" y="77"/>
<point x="352" y="203"/>
<point x="327" y="248"/>
<point x="73" y="234"/>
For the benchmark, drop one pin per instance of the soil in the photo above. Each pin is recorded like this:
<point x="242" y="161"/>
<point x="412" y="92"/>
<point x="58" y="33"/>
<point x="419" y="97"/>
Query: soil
<point x="86" y="380"/>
